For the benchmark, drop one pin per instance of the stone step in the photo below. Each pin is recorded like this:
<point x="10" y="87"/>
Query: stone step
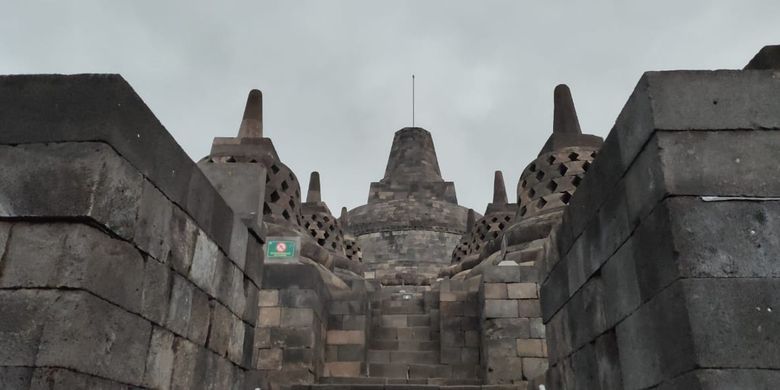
<point x="420" y="333"/>
<point x="404" y="345"/>
<point x="409" y="370"/>
<point x="421" y="357"/>
<point x="404" y="320"/>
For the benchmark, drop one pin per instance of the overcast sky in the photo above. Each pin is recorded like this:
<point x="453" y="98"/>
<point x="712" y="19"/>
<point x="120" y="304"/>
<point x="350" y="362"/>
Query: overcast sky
<point x="336" y="74"/>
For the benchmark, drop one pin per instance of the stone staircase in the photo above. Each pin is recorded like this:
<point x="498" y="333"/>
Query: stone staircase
<point x="404" y="339"/>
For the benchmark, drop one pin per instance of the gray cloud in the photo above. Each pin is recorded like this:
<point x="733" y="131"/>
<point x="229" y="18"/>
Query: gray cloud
<point x="336" y="74"/>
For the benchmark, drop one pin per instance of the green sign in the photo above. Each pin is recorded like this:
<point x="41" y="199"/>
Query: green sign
<point x="281" y="248"/>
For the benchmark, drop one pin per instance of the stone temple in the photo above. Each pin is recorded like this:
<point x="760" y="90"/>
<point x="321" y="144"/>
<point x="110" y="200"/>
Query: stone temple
<point x="646" y="260"/>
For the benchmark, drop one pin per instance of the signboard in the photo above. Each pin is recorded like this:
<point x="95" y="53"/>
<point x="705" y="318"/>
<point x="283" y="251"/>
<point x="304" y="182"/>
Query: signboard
<point x="282" y="248"/>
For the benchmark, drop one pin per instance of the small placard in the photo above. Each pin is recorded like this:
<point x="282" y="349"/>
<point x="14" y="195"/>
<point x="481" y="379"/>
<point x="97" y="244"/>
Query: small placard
<point x="282" y="248"/>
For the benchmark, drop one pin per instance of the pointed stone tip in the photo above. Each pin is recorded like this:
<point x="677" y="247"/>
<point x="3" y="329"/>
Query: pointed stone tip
<point x="499" y="189"/>
<point x="565" y="115"/>
<point x="252" y="121"/>
<point x="314" y="188"/>
<point x="344" y="218"/>
<point x="470" y="219"/>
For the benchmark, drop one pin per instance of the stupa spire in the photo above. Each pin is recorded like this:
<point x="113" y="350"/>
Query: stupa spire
<point x="565" y="115"/>
<point x="314" y="188"/>
<point x="499" y="189"/>
<point x="252" y="121"/>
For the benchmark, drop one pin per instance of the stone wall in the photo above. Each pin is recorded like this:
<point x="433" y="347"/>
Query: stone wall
<point x="459" y="326"/>
<point x="406" y="256"/>
<point x="513" y="345"/>
<point x="120" y="264"/>
<point x="663" y="273"/>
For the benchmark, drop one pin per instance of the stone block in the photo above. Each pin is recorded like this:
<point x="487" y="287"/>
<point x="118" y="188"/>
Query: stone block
<point x="296" y="357"/>
<point x="554" y="292"/>
<point x="80" y="180"/>
<point x="25" y="313"/>
<point x="238" y="242"/>
<point x="528" y="308"/>
<point x="740" y="313"/>
<point x="269" y="359"/>
<point x="341" y="337"/>
<point x="608" y="361"/>
<point x="496" y="291"/>
<point x="292" y="337"/>
<point x="506" y="328"/>
<point x="156" y="291"/>
<point x="471" y="338"/>
<point x="263" y="338"/>
<point x="180" y="305"/>
<point x="188" y="362"/>
<point x="198" y="327"/>
<point x="522" y="291"/>
<point x="269" y="298"/>
<point x="220" y="329"/>
<point x="726" y="163"/>
<point x="343" y="369"/>
<point x="351" y="353"/>
<point x="252" y="295"/>
<point x="90" y="335"/>
<point x="297" y="317"/>
<point x="584" y="369"/>
<point x="60" y="378"/>
<point x="656" y="342"/>
<point x="501" y="308"/>
<point x="204" y="264"/>
<point x="537" y="330"/>
<point x="159" y="360"/>
<point x="269" y="316"/>
<point x="531" y="348"/>
<point x="300" y="298"/>
<point x="74" y="256"/>
<point x="621" y="286"/>
<point x="715" y="379"/>
<point x="153" y="223"/>
<point x="183" y="235"/>
<point x="236" y="340"/>
<point x="15" y="377"/>
<point x="534" y="367"/>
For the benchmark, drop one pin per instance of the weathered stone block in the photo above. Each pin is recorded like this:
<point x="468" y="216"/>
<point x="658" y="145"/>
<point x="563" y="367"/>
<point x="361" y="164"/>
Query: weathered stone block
<point x="156" y="291"/>
<point x="269" y="316"/>
<point x="506" y="328"/>
<point x="153" y="223"/>
<point x="74" y="256"/>
<point x="496" y="291"/>
<point x="180" y="306"/>
<point x="25" y="313"/>
<point x="656" y="342"/>
<point x="293" y="337"/>
<point x="159" y="360"/>
<point x="59" y="378"/>
<point x="204" y="264"/>
<point x="531" y="348"/>
<point x="269" y="359"/>
<point x="297" y="317"/>
<point x="501" y="308"/>
<point x="236" y="340"/>
<point x="533" y="367"/>
<point x="343" y="369"/>
<point x="269" y="298"/>
<point x="528" y="308"/>
<point x="221" y="326"/>
<point x="90" y="335"/>
<point x="81" y="180"/>
<point x="522" y="291"/>
<point x="340" y="337"/>
<point x="15" y="377"/>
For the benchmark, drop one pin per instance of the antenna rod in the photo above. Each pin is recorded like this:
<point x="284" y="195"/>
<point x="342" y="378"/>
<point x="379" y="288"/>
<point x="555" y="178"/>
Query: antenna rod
<point x="412" y="100"/>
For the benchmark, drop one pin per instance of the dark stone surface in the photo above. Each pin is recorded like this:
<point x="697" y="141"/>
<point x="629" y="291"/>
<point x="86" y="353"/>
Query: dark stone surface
<point x="767" y="58"/>
<point x="104" y="108"/>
